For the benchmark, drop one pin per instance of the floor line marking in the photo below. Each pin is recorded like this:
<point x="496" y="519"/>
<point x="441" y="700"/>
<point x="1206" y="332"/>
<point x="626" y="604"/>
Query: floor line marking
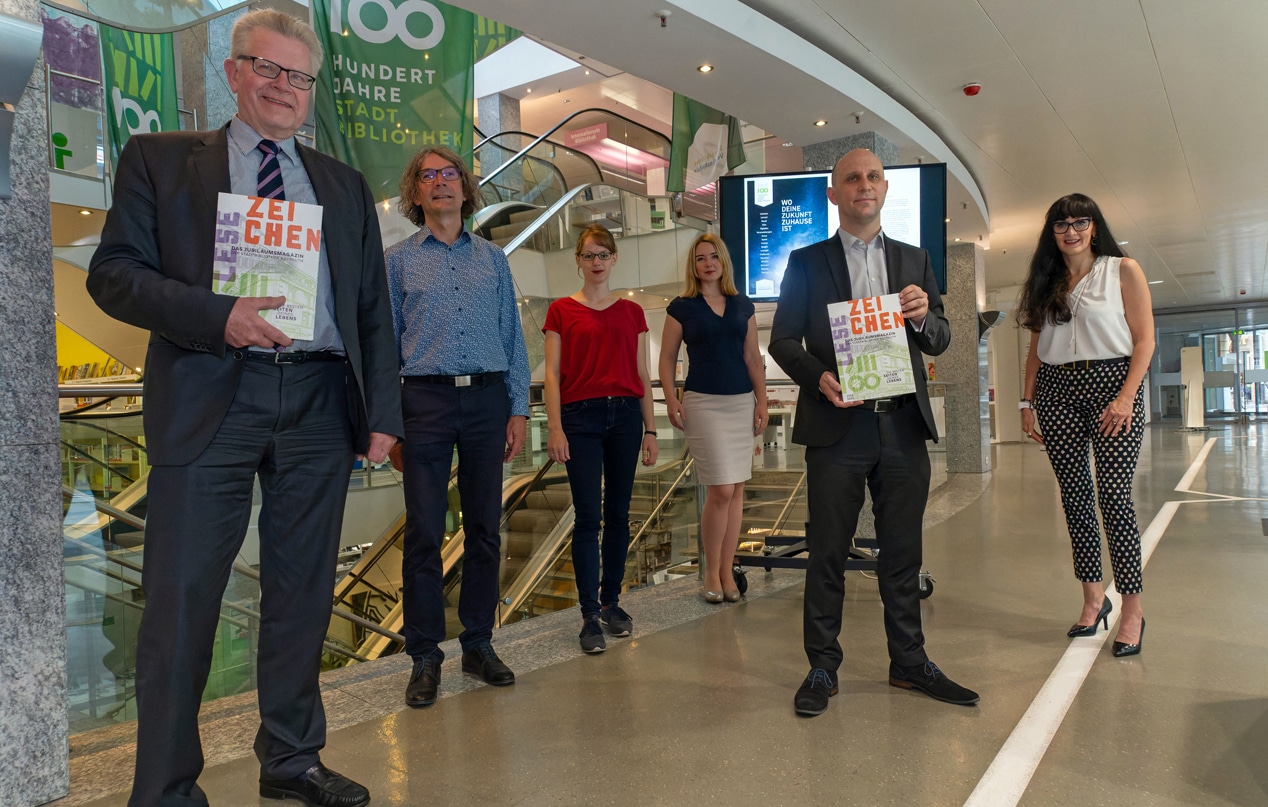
<point x="1008" y="775"/>
<point x="1191" y="474"/>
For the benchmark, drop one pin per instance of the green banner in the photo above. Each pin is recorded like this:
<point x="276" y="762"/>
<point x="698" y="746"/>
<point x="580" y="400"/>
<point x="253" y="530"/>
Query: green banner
<point x="491" y="35"/>
<point x="140" y="85"/>
<point x="706" y="144"/>
<point x="399" y="75"/>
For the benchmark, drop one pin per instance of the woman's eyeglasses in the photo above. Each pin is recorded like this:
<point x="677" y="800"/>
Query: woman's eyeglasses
<point x="428" y="175"/>
<point x="589" y="256"/>
<point x="1079" y="225"/>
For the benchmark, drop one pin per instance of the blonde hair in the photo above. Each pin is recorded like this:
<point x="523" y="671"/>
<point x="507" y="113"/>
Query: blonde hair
<point x="279" y="23"/>
<point x="726" y="283"/>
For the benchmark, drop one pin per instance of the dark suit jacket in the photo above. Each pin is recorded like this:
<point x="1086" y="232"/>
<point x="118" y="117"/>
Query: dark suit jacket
<point x="801" y="340"/>
<point x="153" y="270"/>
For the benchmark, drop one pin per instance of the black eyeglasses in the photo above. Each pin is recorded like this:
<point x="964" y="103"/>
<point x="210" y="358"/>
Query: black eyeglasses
<point x="589" y="256"/>
<point x="428" y="175"/>
<point x="1079" y="225"/>
<point x="263" y="67"/>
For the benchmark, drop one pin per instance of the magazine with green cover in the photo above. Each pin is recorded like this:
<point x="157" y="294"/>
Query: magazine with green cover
<point x="870" y="338"/>
<point x="270" y="248"/>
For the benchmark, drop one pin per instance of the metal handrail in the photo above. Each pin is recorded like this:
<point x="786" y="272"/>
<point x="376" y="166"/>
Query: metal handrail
<point x="783" y="514"/>
<point x="660" y="505"/>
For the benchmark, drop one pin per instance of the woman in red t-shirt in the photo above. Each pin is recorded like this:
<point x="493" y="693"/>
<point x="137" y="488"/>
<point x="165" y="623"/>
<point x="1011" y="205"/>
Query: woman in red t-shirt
<point x="599" y="413"/>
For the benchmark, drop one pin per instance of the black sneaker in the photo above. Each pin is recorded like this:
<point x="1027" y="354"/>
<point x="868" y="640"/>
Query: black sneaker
<point x="932" y="681"/>
<point x="812" y="696"/>
<point x="592" y="640"/>
<point x="616" y="621"/>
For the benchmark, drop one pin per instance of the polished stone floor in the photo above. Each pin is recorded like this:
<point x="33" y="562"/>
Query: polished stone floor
<point x="696" y="707"/>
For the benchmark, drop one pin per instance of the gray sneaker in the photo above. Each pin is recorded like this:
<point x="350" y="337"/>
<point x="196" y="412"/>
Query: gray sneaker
<point x="616" y="621"/>
<point x="592" y="640"/>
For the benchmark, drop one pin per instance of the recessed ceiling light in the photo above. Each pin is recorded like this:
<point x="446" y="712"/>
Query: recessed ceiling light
<point x="821" y="123"/>
<point x="1156" y="282"/>
<point x="705" y="68"/>
<point x="85" y="212"/>
<point x="631" y="294"/>
<point x="957" y="239"/>
<point x="947" y="219"/>
<point x="1123" y="243"/>
<point x="528" y="89"/>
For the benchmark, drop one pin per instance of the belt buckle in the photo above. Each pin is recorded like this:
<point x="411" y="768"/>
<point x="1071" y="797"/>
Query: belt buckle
<point x="884" y="404"/>
<point x="287" y="358"/>
<point x="462" y="381"/>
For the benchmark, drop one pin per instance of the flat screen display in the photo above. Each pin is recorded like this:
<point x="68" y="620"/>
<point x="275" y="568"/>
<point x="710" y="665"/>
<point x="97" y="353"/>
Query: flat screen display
<point x="764" y="217"/>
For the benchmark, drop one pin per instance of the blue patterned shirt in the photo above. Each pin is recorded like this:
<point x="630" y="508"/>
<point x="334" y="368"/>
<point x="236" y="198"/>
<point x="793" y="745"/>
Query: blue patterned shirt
<point x="454" y="311"/>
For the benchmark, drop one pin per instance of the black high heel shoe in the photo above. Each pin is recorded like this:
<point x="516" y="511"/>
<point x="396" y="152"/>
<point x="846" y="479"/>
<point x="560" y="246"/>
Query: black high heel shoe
<point x="1122" y="649"/>
<point x="1090" y="630"/>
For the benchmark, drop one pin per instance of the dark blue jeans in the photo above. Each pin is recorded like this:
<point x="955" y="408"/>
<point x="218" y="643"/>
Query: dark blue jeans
<point x="438" y="417"/>
<point x="604" y="439"/>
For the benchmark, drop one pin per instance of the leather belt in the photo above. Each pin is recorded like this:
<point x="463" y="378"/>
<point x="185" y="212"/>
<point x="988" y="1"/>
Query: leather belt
<point x="472" y="380"/>
<point x="1087" y="364"/>
<point x="883" y="405"/>
<point x="291" y="357"/>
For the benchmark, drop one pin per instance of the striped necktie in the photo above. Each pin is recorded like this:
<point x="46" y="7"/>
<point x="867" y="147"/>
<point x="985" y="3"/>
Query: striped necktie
<point x="269" y="184"/>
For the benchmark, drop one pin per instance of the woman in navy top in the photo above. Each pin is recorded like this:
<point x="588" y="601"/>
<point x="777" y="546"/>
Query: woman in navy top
<point x="724" y="403"/>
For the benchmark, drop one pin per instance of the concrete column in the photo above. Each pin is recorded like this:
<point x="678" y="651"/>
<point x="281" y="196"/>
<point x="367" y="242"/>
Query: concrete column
<point x="822" y="156"/>
<point x="33" y="724"/>
<point x="964" y="366"/>
<point x="501" y="113"/>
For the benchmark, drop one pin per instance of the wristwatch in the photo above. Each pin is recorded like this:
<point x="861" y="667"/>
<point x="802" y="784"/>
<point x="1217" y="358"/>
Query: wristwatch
<point x="1024" y="403"/>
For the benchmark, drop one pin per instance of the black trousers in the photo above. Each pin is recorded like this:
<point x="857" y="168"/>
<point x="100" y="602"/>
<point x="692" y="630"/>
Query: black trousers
<point x="438" y="418"/>
<point x="288" y="426"/>
<point x="886" y="453"/>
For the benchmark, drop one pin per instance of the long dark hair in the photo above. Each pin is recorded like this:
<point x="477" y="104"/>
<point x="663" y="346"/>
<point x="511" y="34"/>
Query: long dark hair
<point x="1043" y="297"/>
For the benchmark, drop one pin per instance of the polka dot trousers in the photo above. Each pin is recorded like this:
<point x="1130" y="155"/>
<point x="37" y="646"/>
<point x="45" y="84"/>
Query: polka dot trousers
<point x="1068" y="405"/>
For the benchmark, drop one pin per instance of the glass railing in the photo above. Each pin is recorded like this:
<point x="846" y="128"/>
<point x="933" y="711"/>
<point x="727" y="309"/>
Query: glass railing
<point x="104" y="482"/>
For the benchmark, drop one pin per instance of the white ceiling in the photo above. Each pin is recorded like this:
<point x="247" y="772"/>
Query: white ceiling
<point x="1148" y="106"/>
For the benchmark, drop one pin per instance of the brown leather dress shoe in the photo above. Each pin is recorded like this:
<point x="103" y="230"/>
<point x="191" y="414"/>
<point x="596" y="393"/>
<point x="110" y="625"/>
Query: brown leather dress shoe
<point x="317" y="787"/>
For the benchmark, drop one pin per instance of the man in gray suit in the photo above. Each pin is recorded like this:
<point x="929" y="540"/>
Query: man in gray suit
<point x="229" y="398"/>
<point x="879" y="444"/>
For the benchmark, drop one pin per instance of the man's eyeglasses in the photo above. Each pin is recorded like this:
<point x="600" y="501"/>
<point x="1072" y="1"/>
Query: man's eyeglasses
<point x="428" y="175"/>
<point x="589" y="256"/>
<point x="1079" y="225"/>
<point x="263" y="67"/>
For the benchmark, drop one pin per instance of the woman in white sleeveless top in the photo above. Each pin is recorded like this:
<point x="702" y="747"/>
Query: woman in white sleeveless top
<point x="1092" y="337"/>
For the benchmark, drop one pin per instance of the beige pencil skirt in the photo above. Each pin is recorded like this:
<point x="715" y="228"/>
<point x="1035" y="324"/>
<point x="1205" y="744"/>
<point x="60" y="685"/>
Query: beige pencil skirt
<point x="720" y="436"/>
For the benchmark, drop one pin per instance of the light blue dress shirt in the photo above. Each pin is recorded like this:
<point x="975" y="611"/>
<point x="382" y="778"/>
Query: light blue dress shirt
<point x="454" y="311"/>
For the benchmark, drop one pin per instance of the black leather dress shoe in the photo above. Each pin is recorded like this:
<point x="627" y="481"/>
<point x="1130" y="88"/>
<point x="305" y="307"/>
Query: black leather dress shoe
<point x="423" y="683"/>
<point x="483" y="662"/>
<point x="317" y="787"/>
<point x="930" y="680"/>
<point x="812" y="696"/>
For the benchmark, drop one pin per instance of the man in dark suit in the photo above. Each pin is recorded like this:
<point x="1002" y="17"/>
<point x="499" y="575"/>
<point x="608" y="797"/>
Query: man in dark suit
<point x="228" y="397"/>
<point x="879" y="444"/>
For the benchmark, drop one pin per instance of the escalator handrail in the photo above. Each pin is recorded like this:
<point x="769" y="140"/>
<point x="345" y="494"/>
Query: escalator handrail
<point x="581" y="155"/>
<point x="557" y="127"/>
<point x="80" y="421"/>
<point x="546" y="215"/>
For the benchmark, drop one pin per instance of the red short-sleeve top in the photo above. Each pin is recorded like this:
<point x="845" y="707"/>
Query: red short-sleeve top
<point x="599" y="349"/>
